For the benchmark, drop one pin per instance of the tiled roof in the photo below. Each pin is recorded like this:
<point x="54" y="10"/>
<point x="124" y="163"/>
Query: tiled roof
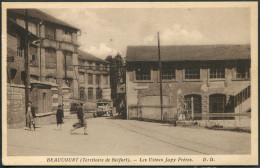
<point x="36" y="13"/>
<point x="86" y="56"/>
<point x="188" y="52"/>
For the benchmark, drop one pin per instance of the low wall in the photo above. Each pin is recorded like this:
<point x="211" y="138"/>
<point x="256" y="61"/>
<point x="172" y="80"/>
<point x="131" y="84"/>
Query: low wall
<point x="45" y="118"/>
<point x="150" y="112"/>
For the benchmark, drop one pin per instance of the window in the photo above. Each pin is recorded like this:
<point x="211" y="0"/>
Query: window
<point x="242" y="96"/>
<point x="168" y="72"/>
<point x="67" y="36"/>
<point x="98" y="80"/>
<point x="192" y="73"/>
<point x="23" y="77"/>
<point x="105" y="67"/>
<point x="105" y="79"/>
<point x="81" y="77"/>
<point x="33" y="54"/>
<point x="13" y="74"/>
<point x="193" y="101"/>
<point x="97" y="66"/>
<point x="90" y="79"/>
<point x="50" y="58"/>
<point x="90" y="65"/>
<point x="242" y="72"/>
<point x="82" y="93"/>
<point x="143" y="73"/>
<point x="49" y="32"/>
<point x="217" y="103"/>
<point x="32" y="28"/>
<point x="216" y="73"/>
<point x="90" y="93"/>
<point x="68" y="60"/>
<point x="98" y="93"/>
<point x="20" y="47"/>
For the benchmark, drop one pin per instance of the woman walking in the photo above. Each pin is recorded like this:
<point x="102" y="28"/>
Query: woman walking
<point x="59" y="116"/>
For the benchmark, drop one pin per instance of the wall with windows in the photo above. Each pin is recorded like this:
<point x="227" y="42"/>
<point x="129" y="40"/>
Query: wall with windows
<point x="183" y="79"/>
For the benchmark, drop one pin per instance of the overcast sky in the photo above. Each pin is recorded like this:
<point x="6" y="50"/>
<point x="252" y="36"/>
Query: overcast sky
<point x="110" y="31"/>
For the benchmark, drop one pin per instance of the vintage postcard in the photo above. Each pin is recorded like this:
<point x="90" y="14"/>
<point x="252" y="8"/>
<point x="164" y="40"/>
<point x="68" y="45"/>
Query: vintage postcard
<point x="136" y="83"/>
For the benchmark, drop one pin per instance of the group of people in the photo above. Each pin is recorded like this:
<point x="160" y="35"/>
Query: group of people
<point x="30" y="117"/>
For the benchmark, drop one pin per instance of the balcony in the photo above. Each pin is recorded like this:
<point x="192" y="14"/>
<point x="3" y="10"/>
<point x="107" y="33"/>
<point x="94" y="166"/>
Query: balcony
<point x="49" y="43"/>
<point x="67" y="46"/>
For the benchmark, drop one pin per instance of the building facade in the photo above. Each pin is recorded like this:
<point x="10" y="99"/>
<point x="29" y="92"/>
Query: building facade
<point x="94" y="78"/>
<point x="16" y="73"/>
<point x="52" y="55"/>
<point x="208" y="79"/>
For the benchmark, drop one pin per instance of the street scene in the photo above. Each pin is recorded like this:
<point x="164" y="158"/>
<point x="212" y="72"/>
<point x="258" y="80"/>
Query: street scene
<point x="108" y="136"/>
<point x="128" y="81"/>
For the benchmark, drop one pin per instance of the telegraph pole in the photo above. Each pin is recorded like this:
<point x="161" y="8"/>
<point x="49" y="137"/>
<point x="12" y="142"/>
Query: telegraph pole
<point x="27" y="64"/>
<point x="160" y="74"/>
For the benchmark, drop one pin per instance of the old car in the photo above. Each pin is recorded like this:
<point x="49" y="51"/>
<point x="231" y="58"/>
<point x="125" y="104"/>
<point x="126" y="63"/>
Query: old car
<point x="104" y="107"/>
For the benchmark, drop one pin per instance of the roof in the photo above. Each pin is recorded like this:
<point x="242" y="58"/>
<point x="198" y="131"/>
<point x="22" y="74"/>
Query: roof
<point x="86" y="56"/>
<point x="188" y="52"/>
<point x="36" y="13"/>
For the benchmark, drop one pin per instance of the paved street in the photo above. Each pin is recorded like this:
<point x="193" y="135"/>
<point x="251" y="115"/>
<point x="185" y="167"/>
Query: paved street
<point x="125" y="137"/>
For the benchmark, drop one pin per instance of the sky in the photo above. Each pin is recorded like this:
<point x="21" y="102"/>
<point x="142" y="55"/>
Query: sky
<point x="108" y="31"/>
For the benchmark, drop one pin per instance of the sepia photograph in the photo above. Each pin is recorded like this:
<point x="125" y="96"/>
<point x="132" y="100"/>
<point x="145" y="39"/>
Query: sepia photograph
<point x="137" y="83"/>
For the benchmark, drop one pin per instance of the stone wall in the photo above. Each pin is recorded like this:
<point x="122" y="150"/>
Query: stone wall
<point x="15" y="106"/>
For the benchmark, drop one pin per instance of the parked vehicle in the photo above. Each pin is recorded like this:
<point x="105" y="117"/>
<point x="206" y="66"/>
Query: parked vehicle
<point x="104" y="107"/>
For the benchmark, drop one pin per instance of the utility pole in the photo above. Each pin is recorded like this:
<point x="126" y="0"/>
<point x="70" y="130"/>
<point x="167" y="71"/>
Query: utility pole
<point x="160" y="74"/>
<point x="27" y="64"/>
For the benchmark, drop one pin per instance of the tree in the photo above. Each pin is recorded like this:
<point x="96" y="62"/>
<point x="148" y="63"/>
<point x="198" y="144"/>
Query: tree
<point x="117" y="77"/>
<point x="117" y="73"/>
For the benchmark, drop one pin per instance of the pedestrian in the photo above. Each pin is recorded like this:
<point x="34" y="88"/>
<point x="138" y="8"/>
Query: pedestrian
<point x="59" y="116"/>
<point x="81" y="121"/>
<point x="30" y="116"/>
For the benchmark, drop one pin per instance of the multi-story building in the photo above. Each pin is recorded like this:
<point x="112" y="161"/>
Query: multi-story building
<point x="16" y="72"/>
<point x="93" y="77"/>
<point x="53" y="58"/>
<point x="204" y="79"/>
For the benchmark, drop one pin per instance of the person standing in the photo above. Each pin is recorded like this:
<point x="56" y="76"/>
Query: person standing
<point x="81" y="121"/>
<point x="31" y="116"/>
<point x="59" y="116"/>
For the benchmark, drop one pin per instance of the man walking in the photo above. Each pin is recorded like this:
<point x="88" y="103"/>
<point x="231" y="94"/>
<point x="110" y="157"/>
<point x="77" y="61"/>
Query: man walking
<point x="31" y="116"/>
<point x="81" y="121"/>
